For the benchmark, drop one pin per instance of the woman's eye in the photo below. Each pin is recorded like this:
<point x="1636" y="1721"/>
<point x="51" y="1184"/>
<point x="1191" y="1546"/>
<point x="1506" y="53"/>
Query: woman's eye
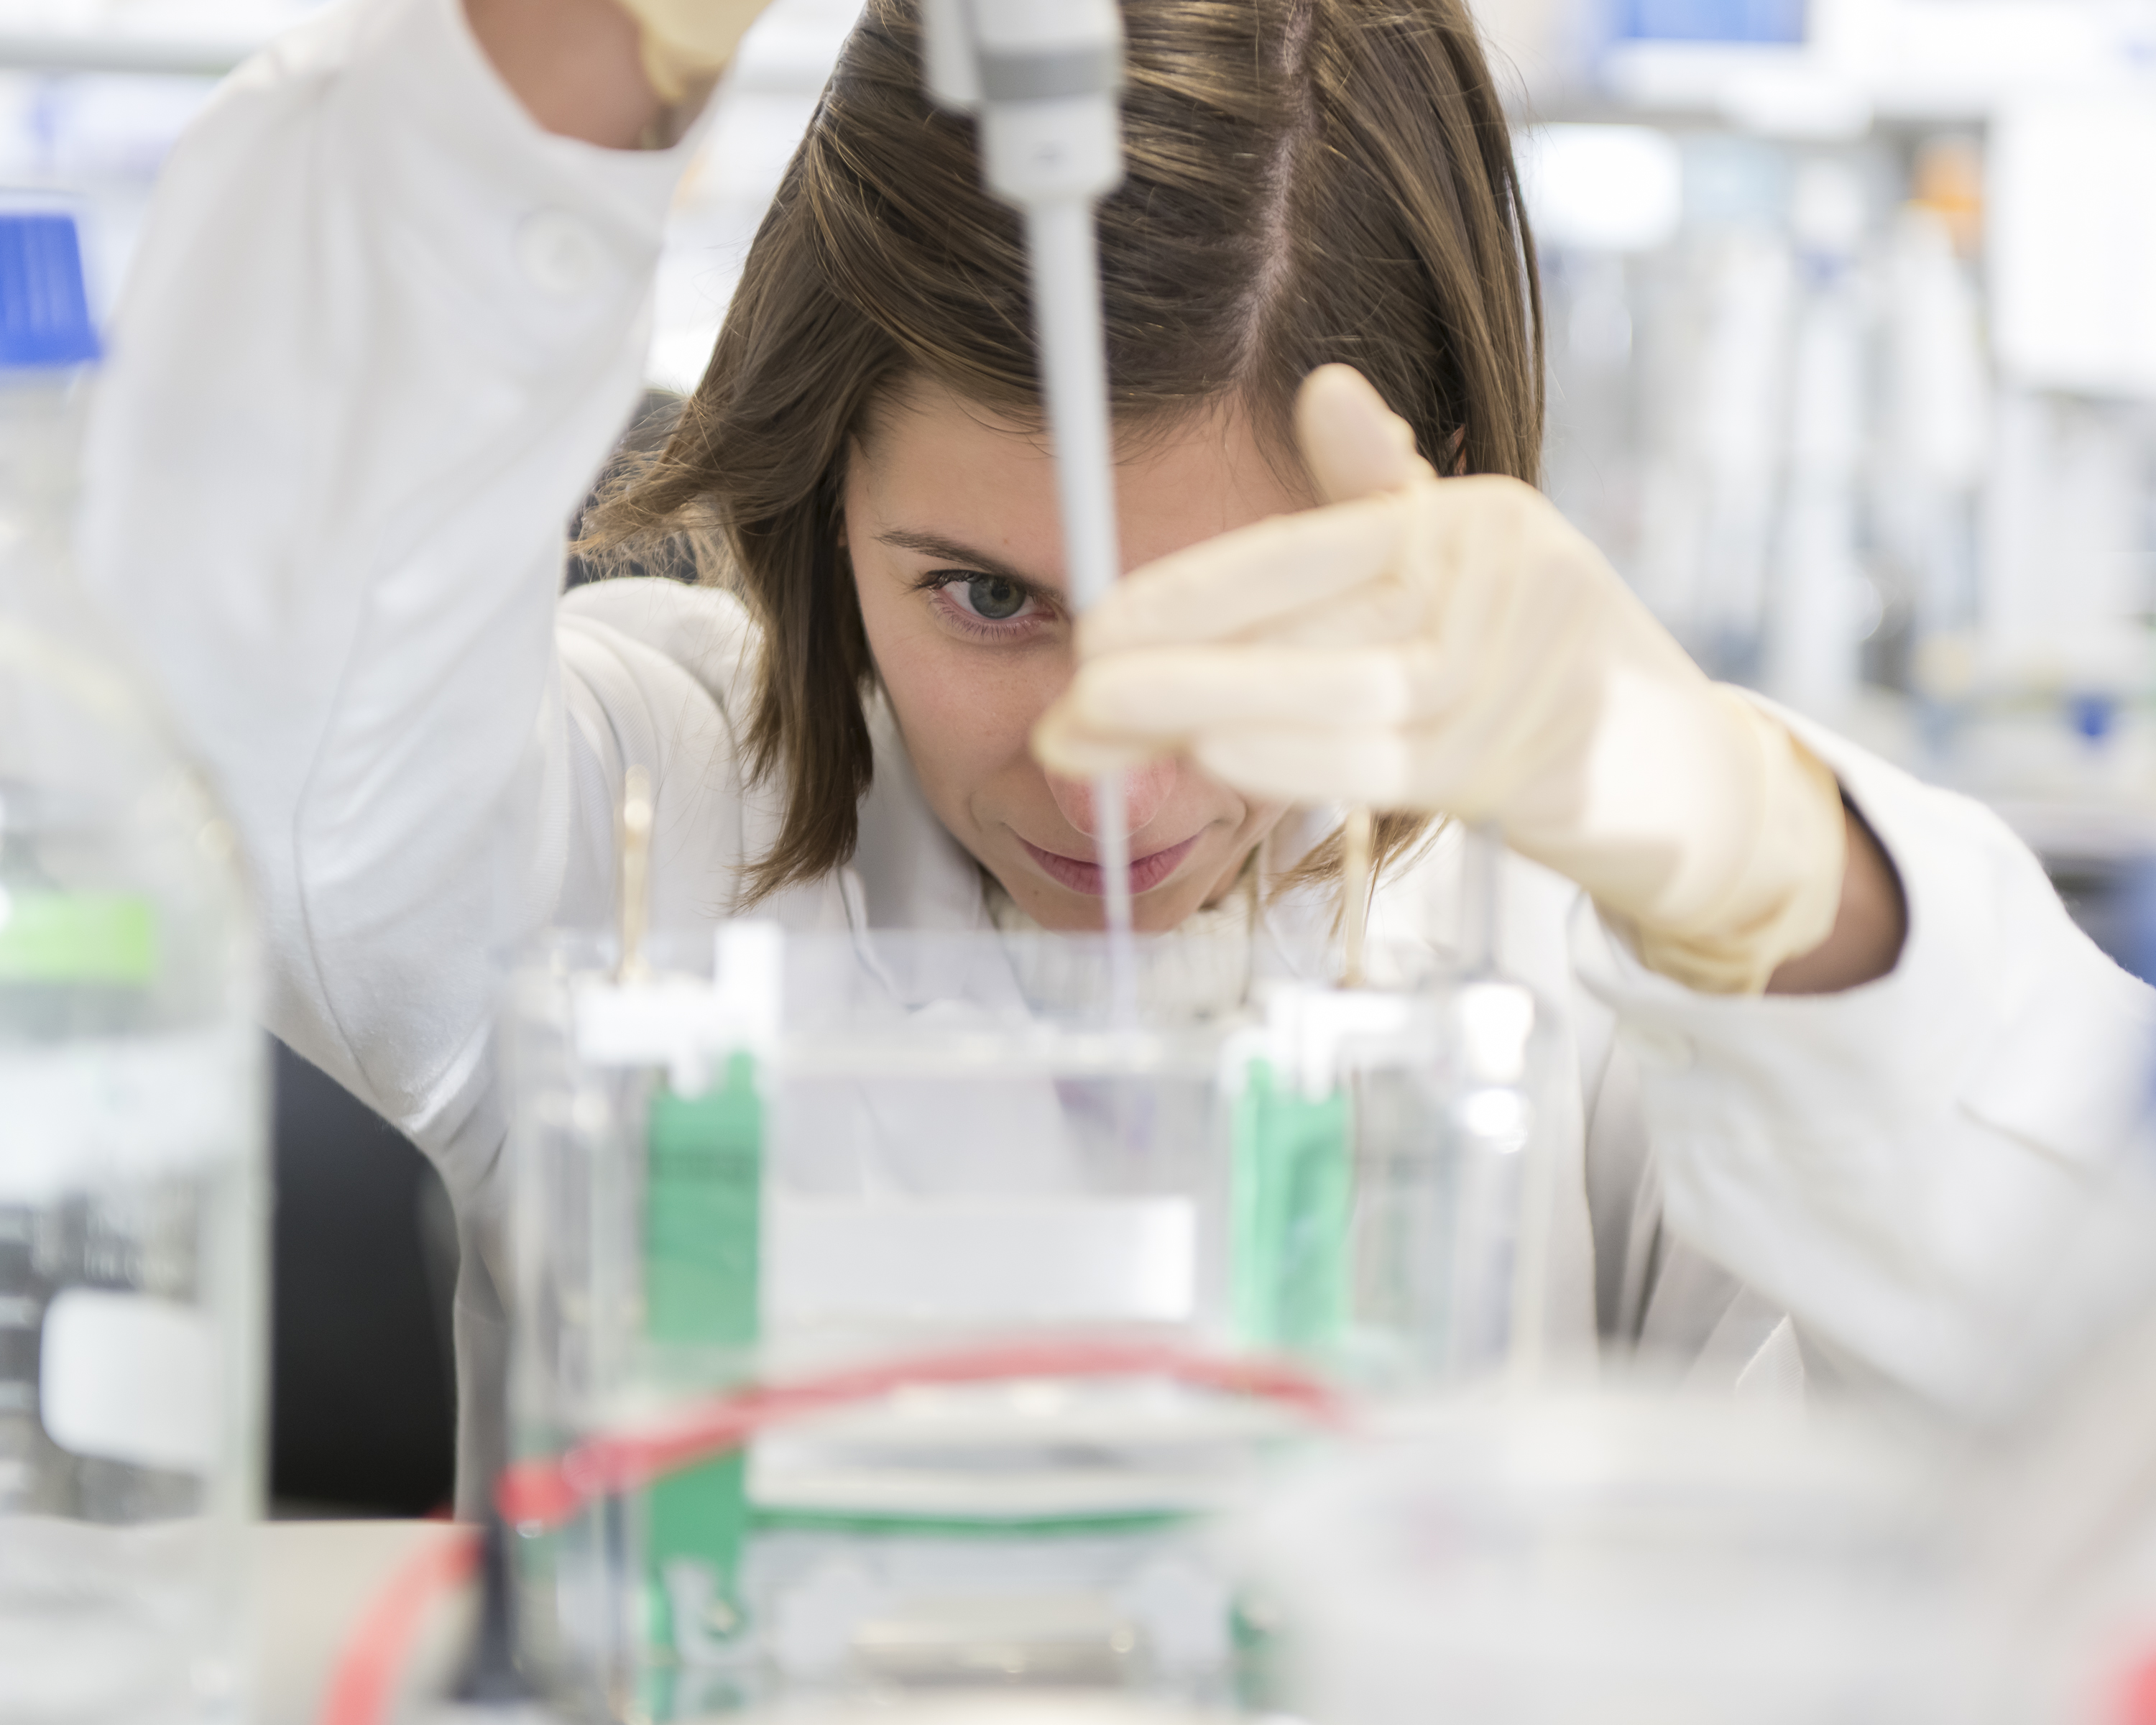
<point x="994" y="597"/>
<point x="989" y="607"/>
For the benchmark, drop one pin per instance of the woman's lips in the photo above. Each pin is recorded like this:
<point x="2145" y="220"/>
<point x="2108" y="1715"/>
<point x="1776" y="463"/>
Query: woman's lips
<point x="1146" y="872"/>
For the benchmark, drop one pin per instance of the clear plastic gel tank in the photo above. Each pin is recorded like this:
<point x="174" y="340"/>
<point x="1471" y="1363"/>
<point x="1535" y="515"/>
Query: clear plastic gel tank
<point x="131" y="1120"/>
<point x="1083" y="1277"/>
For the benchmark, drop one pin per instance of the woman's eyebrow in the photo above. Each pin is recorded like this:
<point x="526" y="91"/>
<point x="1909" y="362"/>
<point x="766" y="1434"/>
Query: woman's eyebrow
<point x="949" y="551"/>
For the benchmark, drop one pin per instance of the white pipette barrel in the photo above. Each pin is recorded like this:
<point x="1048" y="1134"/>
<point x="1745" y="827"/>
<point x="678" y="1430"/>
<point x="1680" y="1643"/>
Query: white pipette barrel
<point x="1043" y="76"/>
<point x="1067" y="307"/>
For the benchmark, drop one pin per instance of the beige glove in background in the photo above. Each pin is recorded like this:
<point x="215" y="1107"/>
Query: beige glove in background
<point x="1453" y="646"/>
<point x="687" y="42"/>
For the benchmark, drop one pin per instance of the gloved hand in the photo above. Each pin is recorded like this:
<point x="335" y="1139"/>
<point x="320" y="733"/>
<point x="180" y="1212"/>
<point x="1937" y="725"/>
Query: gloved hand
<point x="687" y="42"/>
<point x="1452" y="646"/>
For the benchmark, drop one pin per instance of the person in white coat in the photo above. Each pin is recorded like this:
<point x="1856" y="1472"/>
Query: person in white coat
<point x="1836" y="1043"/>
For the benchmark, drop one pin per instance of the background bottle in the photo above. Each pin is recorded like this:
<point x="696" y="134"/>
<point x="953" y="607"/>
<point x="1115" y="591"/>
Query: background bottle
<point x="132" y="1119"/>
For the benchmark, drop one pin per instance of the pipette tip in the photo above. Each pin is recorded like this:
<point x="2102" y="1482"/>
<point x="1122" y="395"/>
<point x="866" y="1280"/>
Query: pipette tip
<point x="1358" y="840"/>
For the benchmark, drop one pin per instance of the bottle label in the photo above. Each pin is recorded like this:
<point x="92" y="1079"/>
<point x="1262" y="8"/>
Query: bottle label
<point x="130" y="1378"/>
<point x="108" y="937"/>
<point x="84" y="1114"/>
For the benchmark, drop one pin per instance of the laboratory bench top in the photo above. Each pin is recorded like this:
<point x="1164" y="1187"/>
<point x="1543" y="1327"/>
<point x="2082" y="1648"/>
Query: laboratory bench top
<point x="313" y="1582"/>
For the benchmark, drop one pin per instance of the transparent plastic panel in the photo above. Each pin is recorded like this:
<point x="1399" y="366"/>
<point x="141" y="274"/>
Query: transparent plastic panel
<point x="1006" y="1291"/>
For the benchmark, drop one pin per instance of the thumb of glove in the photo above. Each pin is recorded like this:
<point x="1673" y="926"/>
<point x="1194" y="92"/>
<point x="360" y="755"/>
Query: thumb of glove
<point x="1354" y="443"/>
<point x="688" y="42"/>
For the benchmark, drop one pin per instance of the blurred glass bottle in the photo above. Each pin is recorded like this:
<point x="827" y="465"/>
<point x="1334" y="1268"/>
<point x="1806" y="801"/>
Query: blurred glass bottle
<point x="132" y="1117"/>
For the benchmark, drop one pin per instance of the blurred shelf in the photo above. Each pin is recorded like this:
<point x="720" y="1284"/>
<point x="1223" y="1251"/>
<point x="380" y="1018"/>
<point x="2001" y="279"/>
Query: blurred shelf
<point x="2081" y="831"/>
<point x="200" y="56"/>
<point x="1894" y="63"/>
<point x="1781" y="91"/>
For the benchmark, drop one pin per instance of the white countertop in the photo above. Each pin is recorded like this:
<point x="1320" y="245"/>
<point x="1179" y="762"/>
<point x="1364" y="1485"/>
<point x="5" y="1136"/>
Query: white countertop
<point x="313" y="1581"/>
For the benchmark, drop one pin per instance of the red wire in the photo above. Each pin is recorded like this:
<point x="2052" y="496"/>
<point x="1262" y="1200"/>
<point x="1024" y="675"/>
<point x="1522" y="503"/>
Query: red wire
<point x="547" y="1493"/>
<point x="542" y="1494"/>
<point x="359" y="1690"/>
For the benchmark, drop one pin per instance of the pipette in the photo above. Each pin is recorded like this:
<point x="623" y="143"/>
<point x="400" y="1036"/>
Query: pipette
<point x="1043" y="76"/>
<point x="635" y="839"/>
<point x="1357" y="840"/>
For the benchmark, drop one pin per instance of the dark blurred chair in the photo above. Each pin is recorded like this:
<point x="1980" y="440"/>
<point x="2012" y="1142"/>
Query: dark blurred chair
<point x="363" y="1257"/>
<point x="656" y="416"/>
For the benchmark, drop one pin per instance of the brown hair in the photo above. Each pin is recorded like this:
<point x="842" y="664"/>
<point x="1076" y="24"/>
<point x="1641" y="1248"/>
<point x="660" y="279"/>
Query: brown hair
<point x="1308" y="180"/>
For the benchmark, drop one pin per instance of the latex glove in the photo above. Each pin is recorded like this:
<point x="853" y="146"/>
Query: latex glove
<point x="687" y="42"/>
<point x="1452" y="646"/>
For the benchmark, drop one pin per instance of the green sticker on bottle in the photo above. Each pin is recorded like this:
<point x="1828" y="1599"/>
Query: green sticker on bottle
<point x="108" y="938"/>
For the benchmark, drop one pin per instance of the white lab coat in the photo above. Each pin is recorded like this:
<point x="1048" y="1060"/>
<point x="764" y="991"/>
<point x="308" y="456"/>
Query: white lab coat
<point x="379" y="336"/>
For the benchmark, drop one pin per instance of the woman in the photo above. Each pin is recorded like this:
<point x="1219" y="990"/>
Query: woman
<point x="1835" y="1041"/>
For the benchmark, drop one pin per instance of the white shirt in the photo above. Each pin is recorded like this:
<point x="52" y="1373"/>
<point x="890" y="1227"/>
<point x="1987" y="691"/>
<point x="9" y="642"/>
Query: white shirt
<point x="380" y="333"/>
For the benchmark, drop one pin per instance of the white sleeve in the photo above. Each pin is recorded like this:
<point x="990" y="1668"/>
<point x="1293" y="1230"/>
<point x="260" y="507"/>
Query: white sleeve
<point x="380" y="334"/>
<point x="1904" y="1165"/>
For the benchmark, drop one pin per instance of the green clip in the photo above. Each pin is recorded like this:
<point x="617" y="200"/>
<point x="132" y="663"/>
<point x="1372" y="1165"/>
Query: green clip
<point x="1293" y="1188"/>
<point x="702" y="1257"/>
<point x="703" y="1197"/>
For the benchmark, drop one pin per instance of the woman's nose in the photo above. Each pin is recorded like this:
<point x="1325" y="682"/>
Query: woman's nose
<point x="1145" y="789"/>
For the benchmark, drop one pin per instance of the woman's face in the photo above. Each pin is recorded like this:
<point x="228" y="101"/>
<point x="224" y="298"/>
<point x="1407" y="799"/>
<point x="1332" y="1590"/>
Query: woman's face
<point x="951" y="525"/>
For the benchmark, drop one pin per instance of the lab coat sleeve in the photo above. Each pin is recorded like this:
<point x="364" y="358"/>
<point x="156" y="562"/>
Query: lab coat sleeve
<point x="1907" y="1168"/>
<point x="379" y="335"/>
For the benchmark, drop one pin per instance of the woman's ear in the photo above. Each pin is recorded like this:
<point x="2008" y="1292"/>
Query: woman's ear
<point x="1456" y="453"/>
